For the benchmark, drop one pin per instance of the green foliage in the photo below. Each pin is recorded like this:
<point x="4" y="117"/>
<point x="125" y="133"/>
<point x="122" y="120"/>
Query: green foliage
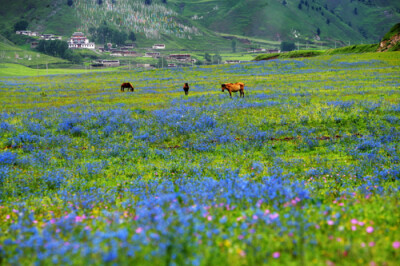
<point x="287" y="46"/>
<point x="395" y="30"/>
<point x="162" y="62"/>
<point x="106" y="33"/>
<point x="292" y="54"/>
<point x="21" y="25"/>
<point x="55" y="48"/>
<point x="132" y="36"/>
<point x="233" y="45"/>
<point x="361" y="48"/>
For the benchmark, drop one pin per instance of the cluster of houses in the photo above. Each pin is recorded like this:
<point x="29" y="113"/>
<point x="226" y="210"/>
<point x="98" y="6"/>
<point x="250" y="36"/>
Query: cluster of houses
<point x="78" y="40"/>
<point x="46" y="37"/>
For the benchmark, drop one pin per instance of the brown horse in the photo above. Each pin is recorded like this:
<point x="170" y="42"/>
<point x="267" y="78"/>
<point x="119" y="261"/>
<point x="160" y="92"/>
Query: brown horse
<point x="233" y="87"/>
<point x="186" y="88"/>
<point x="128" y="86"/>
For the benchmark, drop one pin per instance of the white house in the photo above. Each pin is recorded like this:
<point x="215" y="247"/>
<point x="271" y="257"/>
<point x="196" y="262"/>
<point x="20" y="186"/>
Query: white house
<point x="159" y="46"/>
<point x="79" y="41"/>
<point x="26" y="32"/>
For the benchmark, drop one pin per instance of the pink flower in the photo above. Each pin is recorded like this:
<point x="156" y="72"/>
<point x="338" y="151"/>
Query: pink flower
<point x="371" y="244"/>
<point x="242" y="253"/>
<point x="255" y="217"/>
<point x="396" y="244"/>
<point x="209" y="217"/>
<point x="353" y="227"/>
<point x="139" y="230"/>
<point x="370" y="229"/>
<point x="330" y="222"/>
<point x="274" y="216"/>
<point x="276" y="255"/>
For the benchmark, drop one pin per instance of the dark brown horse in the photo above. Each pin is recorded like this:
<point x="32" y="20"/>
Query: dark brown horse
<point x="186" y="88"/>
<point x="127" y="85"/>
<point x="233" y="87"/>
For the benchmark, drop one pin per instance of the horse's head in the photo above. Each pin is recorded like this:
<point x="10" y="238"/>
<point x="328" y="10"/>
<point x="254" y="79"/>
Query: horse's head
<point x="223" y="86"/>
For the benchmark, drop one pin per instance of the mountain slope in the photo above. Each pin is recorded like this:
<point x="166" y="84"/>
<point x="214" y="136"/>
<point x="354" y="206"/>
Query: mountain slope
<point x="191" y="24"/>
<point x="340" y="20"/>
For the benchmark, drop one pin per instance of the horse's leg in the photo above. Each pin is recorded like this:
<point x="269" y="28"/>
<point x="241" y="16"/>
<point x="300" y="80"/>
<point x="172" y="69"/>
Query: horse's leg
<point x="230" y="93"/>
<point x="122" y="88"/>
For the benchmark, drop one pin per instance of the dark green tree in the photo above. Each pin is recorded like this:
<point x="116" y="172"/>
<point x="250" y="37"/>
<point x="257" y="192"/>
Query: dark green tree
<point x="147" y="2"/>
<point x="54" y="48"/>
<point x="216" y="59"/>
<point x="207" y="57"/>
<point x="132" y="36"/>
<point x="162" y="62"/>
<point x="287" y="46"/>
<point x="70" y="2"/>
<point x="233" y="45"/>
<point x="21" y="25"/>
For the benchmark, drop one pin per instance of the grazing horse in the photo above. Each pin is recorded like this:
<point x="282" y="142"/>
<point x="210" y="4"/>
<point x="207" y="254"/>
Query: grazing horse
<point x="234" y="87"/>
<point x="127" y="85"/>
<point x="186" y="88"/>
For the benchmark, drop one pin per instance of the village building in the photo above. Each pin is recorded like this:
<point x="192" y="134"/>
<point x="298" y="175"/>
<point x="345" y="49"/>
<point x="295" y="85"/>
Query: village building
<point x="50" y="37"/>
<point x="109" y="63"/>
<point x="159" y="46"/>
<point x="27" y="32"/>
<point x="143" y="65"/>
<point x="152" y="54"/>
<point x="128" y="46"/>
<point x="172" y="65"/>
<point x="180" y="57"/>
<point x="34" y="44"/>
<point x="232" y="61"/>
<point x="116" y="53"/>
<point x="129" y="53"/>
<point x="79" y="41"/>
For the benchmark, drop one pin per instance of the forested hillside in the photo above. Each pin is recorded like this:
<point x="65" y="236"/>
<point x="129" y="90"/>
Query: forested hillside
<point x="200" y="22"/>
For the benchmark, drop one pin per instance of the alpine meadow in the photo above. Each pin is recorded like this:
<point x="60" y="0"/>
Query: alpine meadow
<point x="122" y="154"/>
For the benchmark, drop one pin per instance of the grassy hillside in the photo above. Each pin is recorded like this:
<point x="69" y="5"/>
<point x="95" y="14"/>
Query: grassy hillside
<point x="12" y="54"/>
<point x="197" y="25"/>
<point x="353" y="49"/>
<point x="284" y="20"/>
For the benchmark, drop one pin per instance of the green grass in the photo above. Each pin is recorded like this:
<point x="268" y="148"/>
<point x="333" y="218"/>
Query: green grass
<point x="9" y="70"/>
<point x="395" y="30"/>
<point x="14" y="54"/>
<point x="354" y="49"/>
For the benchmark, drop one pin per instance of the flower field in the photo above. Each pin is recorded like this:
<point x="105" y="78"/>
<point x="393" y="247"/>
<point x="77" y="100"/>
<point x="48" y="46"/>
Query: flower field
<point x="304" y="170"/>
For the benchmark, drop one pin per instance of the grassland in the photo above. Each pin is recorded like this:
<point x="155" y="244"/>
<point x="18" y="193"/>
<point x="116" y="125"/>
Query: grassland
<point x="303" y="170"/>
<point x="13" y="54"/>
